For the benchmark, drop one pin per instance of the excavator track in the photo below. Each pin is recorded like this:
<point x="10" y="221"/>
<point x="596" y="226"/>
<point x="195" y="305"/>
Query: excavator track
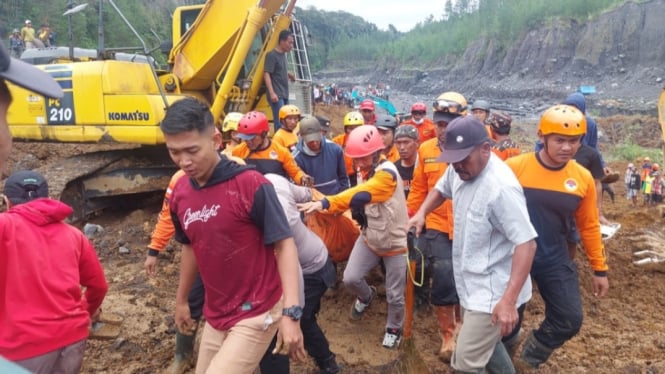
<point x="91" y="182"/>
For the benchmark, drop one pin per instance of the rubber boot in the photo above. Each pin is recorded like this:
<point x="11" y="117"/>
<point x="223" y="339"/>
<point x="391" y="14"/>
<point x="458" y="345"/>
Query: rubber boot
<point x="329" y="366"/>
<point x="512" y="344"/>
<point x="500" y="362"/>
<point x="446" y="317"/>
<point x="533" y="353"/>
<point x="184" y="349"/>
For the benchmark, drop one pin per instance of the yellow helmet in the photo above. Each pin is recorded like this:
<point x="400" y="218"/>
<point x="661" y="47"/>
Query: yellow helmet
<point x="231" y="122"/>
<point x="563" y="120"/>
<point x="353" y="119"/>
<point x="288" y="110"/>
<point x="450" y="102"/>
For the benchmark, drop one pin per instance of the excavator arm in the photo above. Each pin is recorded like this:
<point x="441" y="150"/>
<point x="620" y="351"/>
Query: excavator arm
<point x="230" y="72"/>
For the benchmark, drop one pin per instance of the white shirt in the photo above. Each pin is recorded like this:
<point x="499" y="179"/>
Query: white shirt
<point x="490" y="219"/>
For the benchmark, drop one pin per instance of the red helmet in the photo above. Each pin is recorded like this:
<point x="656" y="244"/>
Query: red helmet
<point x="419" y="107"/>
<point x="363" y="141"/>
<point x="252" y="124"/>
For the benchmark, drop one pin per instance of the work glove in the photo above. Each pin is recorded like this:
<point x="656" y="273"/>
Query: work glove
<point x="358" y="214"/>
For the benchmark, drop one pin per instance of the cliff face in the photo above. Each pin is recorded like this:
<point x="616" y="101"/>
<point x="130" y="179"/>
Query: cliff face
<point x="621" y="52"/>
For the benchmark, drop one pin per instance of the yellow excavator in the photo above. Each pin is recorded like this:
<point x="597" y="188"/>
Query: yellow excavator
<point x="111" y="96"/>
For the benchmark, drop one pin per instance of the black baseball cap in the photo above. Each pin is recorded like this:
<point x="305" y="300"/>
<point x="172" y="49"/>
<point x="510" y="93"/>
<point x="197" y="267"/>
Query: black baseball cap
<point x="324" y="121"/>
<point x="463" y="134"/>
<point x="441" y="116"/>
<point x="24" y="186"/>
<point x="27" y="76"/>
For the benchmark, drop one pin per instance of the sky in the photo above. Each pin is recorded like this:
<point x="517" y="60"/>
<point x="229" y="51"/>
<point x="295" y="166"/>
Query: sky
<point x="401" y="14"/>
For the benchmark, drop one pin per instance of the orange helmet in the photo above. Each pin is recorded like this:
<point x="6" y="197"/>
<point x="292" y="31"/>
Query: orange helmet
<point x="288" y="110"/>
<point x="363" y="141"/>
<point x="655" y="167"/>
<point x="563" y="120"/>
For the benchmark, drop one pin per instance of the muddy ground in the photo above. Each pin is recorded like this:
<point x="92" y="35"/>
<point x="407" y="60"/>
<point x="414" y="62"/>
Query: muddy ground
<point x="622" y="333"/>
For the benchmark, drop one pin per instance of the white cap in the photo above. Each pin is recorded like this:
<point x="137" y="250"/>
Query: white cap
<point x="27" y="21"/>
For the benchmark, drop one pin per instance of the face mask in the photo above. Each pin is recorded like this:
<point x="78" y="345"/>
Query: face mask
<point x="418" y="121"/>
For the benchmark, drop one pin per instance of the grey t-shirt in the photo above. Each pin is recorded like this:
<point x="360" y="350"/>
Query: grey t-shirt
<point x="275" y="65"/>
<point x="312" y="252"/>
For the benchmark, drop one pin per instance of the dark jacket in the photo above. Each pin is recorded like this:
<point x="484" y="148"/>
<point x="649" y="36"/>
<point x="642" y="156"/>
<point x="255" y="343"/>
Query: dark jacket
<point x="577" y="100"/>
<point x="326" y="167"/>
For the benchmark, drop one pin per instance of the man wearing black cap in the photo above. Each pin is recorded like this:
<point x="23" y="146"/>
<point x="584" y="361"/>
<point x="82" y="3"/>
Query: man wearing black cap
<point x="493" y="248"/>
<point x="44" y="264"/>
<point x="26" y="76"/>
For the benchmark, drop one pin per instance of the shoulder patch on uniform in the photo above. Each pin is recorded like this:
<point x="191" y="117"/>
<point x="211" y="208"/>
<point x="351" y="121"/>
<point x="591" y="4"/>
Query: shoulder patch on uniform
<point x="273" y="155"/>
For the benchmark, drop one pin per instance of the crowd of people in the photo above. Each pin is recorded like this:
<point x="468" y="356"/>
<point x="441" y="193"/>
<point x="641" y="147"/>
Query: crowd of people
<point x="27" y="38"/>
<point x="647" y="180"/>
<point x="489" y="218"/>
<point x="333" y="94"/>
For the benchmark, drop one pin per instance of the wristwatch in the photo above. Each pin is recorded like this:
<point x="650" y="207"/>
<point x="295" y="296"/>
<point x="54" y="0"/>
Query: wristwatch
<point x="294" y="312"/>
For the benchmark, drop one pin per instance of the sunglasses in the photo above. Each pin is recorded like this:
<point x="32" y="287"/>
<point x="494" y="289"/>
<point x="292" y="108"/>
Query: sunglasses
<point x="418" y="113"/>
<point x="447" y="106"/>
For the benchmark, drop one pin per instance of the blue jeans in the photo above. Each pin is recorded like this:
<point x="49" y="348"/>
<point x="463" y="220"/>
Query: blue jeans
<point x="275" y="111"/>
<point x="437" y="250"/>
<point x="559" y="287"/>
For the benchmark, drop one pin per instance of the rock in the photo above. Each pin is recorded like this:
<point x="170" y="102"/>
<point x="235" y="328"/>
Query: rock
<point x="124" y="250"/>
<point x="659" y="79"/>
<point x="90" y="230"/>
<point x="118" y="343"/>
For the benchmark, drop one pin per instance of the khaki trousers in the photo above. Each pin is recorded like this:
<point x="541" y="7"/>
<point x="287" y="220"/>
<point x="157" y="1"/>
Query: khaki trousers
<point x="239" y="349"/>
<point x="475" y="342"/>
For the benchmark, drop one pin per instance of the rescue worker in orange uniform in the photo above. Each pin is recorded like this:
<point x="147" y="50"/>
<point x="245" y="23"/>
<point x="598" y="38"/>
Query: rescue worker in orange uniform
<point x="351" y="121"/>
<point x="386" y="125"/>
<point x="257" y="149"/>
<point x="425" y="126"/>
<point x="436" y="241"/>
<point x="556" y="191"/>
<point x="286" y="136"/>
<point x="367" y="109"/>
<point x="379" y="206"/>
